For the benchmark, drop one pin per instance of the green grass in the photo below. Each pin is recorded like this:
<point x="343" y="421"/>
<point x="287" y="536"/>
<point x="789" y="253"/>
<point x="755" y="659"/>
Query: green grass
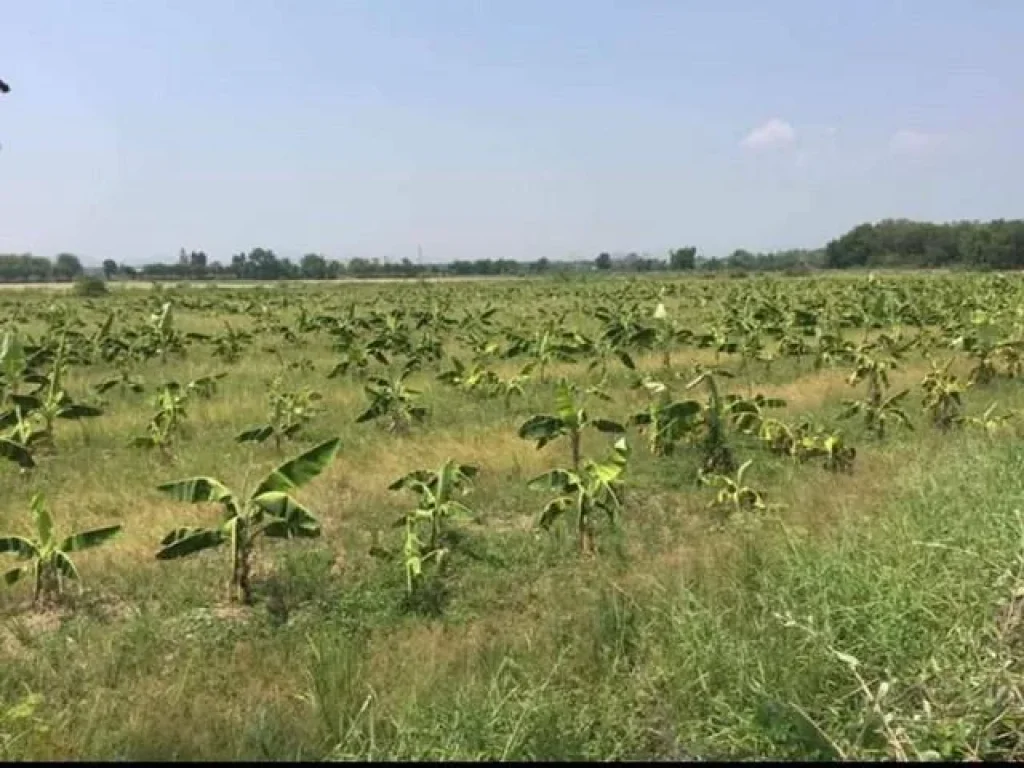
<point x="686" y="637"/>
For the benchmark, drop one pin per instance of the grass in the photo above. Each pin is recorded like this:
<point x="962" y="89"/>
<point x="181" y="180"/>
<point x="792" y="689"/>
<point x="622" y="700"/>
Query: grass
<point x="872" y="615"/>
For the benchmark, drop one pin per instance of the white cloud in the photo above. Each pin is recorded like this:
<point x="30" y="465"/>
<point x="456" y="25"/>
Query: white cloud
<point x="774" y="133"/>
<point x="915" y="143"/>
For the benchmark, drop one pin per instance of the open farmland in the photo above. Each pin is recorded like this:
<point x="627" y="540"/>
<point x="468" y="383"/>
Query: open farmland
<point x="718" y="518"/>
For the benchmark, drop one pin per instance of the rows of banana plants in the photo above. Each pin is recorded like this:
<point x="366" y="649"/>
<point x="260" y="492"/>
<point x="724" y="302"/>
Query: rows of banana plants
<point x="678" y="347"/>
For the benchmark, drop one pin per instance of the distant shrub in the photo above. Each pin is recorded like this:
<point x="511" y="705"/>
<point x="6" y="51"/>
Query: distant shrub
<point x="89" y="286"/>
<point x="798" y="270"/>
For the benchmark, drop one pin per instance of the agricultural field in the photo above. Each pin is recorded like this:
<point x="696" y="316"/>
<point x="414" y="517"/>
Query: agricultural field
<point x="573" y="518"/>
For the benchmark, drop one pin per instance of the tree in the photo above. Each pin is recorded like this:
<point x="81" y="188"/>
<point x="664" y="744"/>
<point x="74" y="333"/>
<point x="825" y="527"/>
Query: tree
<point x="109" y="268"/>
<point x="197" y="261"/>
<point x="313" y="266"/>
<point x="741" y="259"/>
<point x="603" y="261"/>
<point x="67" y="267"/>
<point x="682" y="258"/>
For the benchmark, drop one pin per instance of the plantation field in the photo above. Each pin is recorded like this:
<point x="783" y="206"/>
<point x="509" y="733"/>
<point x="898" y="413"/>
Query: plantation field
<point x="661" y="518"/>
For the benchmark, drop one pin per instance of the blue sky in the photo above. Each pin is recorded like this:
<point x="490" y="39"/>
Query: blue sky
<point x="499" y="128"/>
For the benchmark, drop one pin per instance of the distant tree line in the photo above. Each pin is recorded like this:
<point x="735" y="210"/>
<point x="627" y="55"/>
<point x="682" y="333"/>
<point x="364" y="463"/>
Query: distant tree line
<point x="26" y="268"/>
<point x="890" y="243"/>
<point x="997" y="244"/>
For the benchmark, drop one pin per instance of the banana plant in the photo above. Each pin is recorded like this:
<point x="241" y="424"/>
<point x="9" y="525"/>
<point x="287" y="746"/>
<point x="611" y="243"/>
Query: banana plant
<point x="49" y="557"/>
<point x="269" y="511"/>
<point x="879" y="412"/>
<point x="667" y="334"/>
<point x="746" y="414"/>
<point x="125" y="381"/>
<point x="732" y="493"/>
<point x="877" y="409"/>
<point x="472" y="379"/>
<point x="942" y="397"/>
<point x="977" y="341"/>
<point x="357" y="358"/>
<point x="830" y="349"/>
<point x="395" y="403"/>
<point x="230" y="346"/>
<point x="991" y="422"/>
<point x="545" y="348"/>
<point x="437" y="503"/>
<point x="584" y="492"/>
<point x="512" y="386"/>
<point x="665" y="421"/>
<point x="569" y="420"/>
<point x="1011" y="354"/>
<point x="838" y="455"/>
<point x="290" y="412"/>
<point x="780" y="438"/>
<point x="718" y="456"/>
<point x="13" y="366"/>
<point x="601" y="352"/>
<point x="50" y="401"/>
<point x="160" y="336"/>
<point x="16" y="444"/>
<point x="166" y="423"/>
<point x="205" y="386"/>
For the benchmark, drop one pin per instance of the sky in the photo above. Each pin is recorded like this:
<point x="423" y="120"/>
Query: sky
<point x="499" y="128"/>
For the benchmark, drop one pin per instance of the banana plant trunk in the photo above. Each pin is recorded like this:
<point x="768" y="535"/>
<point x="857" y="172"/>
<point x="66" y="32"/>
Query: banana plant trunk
<point x="239" y="588"/>
<point x="585" y="535"/>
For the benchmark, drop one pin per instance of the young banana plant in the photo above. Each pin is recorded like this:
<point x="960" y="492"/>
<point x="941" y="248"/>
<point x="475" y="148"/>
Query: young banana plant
<point x="733" y="494"/>
<point x="160" y="336"/>
<point x="473" y="379"/>
<point x="838" y="455"/>
<point x="268" y="511"/>
<point x="393" y="402"/>
<point x="718" y="456"/>
<point x="747" y="414"/>
<point x="879" y="411"/>
<point x="666" y="335"/>
<point x="49" y="557"/>
<point x="166" y="423"/>
<point x="357" y="358"/>
<point x="585" y="491"/>
<point x="230" y="346"/>
<point x="991" y="422"/>
<point x="16" y="444"/>
<point x="51" y="402"/>
<point x="512" y="386"/>
<point x="780" y="438"/>
<point x="205" y="386"/>
<point x="437" y="492"/>
<point x="942" y="397"/>
<point x="665" y="421"/>
<point x="569" y="420"/>
<point x="124" y="382"/>
<point x="290" y="412"/>
<point x="13" y="367"/>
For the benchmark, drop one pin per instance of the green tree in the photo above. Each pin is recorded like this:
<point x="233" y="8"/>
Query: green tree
<point x="67" y="267"/>
<point x="603" y="261"/>
<point x="682" y="258"/>
<point x="313" y="266"/>
<point x="109" y="268"/>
